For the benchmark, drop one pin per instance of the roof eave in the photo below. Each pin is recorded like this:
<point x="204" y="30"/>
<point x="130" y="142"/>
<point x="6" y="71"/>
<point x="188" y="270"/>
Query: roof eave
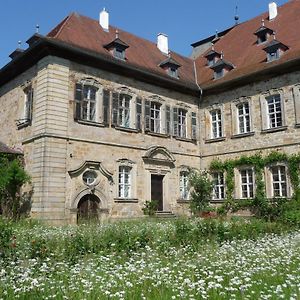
<point x="47" y="46"/>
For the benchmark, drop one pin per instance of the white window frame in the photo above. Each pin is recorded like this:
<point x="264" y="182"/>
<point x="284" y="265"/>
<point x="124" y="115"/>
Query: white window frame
<point x="282" y="182"/>
<point x="243" y="118"/>
<point x="248" y="184"/>
<point x="218" y="186"/>
<point x="125" y="182"/>
<point x="273" y="55"/>
<point x="277" y="113"/>
<point x="155" y="117"/>
<point x="184" y="185"/>
<point x="216" y="123"/>
<point x="182" y="122"/>
<point x="124" y="110"/>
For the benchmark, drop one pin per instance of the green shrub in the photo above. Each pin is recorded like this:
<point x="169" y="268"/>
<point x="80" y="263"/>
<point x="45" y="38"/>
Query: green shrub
<point x="6" y="237"/>
<point x="201" y="190"/>
<point x="150" y="207"/>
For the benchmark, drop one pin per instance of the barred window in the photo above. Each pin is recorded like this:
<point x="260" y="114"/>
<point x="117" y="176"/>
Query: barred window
<point x="121" y="110"/>
<point x="243" y="117"/>
<point x="155" y="117"/>
<point x="216" y="124"/>
<point x="274" y="111"/>
<point x="183" y="185"/>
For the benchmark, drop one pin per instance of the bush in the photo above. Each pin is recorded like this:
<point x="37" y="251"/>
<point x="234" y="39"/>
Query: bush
<point x="201" y="190"/>
<point x="150" y="207"/>
<point x="6" y="238"/>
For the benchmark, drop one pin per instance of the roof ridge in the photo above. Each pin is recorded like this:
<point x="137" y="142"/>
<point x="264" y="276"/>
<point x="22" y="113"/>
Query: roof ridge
<point x="60" y="26"/>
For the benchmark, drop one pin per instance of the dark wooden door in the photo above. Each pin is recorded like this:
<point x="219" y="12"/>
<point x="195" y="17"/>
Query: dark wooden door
<point x="88" y="208"/>
<point x="157" y="190"/>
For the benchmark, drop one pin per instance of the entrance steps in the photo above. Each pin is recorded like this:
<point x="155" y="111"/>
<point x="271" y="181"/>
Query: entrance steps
<point x="164" y="214"/>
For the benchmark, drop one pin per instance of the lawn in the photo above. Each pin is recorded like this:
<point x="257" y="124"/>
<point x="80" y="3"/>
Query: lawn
<point x="180" y="259"/>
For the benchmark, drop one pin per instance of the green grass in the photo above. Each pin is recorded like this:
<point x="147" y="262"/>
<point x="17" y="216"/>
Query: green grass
<point x="181" y="259"/>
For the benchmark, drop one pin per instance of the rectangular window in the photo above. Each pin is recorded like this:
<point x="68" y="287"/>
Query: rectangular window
<point x="155" y="117"/>
<point x="183" y="185"/>
<point x="85" y="102"/>
<point x="274" y="111"/>
<point x="219" y="186"/>
<point x="247" y="184"/>
<point x="119" y="53"/>
<point x="219" y="73"/>
<point x="121" y="110"/>
<point x="243" y="117"/>
<point x="28" y="105"/>
<point x="216" y="124"/>
<point x="279" y="181"/>
<point x="124" y="182"/>
<point x="194" y="126"/>
<point x="182" y="123"/>
<point x="274" y="55"/>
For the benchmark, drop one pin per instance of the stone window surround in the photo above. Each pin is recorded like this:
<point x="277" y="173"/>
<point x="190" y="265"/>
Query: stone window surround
<point x="124" y="162"/>
<point x="238" y="182"/>
<point x="264" y="110"/>
<point x="208" y="127"/>
<point x="269" y="180"/>
<point x="235" y="116"/>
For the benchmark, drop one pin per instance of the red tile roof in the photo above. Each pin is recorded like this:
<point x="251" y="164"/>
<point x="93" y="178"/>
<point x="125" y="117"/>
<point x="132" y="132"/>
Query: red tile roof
<point x="86" y="33"/>
<point x="240" y="48"/>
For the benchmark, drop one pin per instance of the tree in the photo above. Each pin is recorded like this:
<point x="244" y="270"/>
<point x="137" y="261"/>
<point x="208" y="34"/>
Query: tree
<point x="201" y="189"/>
<point x="12" y="178"/>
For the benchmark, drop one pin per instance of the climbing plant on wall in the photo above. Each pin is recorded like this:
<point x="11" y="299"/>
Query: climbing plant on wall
<point x="260" y="204"/>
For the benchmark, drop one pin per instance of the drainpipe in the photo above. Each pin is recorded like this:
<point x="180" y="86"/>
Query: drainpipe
<point x="200" y="99"/>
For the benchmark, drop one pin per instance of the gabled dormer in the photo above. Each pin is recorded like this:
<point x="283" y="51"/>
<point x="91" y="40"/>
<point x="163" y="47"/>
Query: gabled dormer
<point x="171" y="66"/>
<point x="117" y="47"/>
<point x="274" y="50"/>
<point x="212" y="56"/>
<point x="221" y="67"/>
<point x="263" y="33"/>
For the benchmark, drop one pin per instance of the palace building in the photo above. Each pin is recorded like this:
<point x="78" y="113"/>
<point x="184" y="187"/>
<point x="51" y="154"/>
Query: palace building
<point x="107" y="120"/>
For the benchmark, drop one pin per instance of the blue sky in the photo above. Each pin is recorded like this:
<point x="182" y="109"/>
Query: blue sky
<point x="184" y="22"/>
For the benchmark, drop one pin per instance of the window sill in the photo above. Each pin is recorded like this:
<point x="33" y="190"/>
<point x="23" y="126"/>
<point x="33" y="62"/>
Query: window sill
<point x="280" y="128"/>
<point x="127" y="129"/>
<point x="178" y="138"/>
<point x="185" y="201"/>
<point x="126" y="200"/>
<point x="241" y="135"/>
<point x="215" y="140"/>
<point x="216" y="201"/>
<point x="90" y="123"/>
<point x="22" y="124"/>
<point x="162" y="135"/>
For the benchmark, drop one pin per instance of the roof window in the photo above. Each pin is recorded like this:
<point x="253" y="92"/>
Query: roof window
<point x="212" y="56"/>
<point x="221" y="67"/>
<point x="171" y="66"/>
<point x="263" y="33"/>
<point x="117" y="47"/>
<point x="275" y="49"/>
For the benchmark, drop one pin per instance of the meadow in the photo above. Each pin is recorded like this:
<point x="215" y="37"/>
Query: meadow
<point x="177" y="259"/>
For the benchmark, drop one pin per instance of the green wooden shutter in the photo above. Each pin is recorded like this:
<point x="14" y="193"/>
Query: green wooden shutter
<point x="168" y="119"/>
<point x="147" y="115"/>
<point x="175" y="121"/>
<point x="106" y="106"/>
<point x="77" y="102"/>
<point x="138" y="114"/>
<point x="194" y="126"/>
<point x="115" y="109"/>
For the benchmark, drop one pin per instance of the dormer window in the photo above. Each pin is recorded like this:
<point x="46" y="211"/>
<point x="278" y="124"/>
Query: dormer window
<point x="221" y="67"/>
<point x="117" y="48"/>
<point x="274" y="50"/>
<point x="263" y="33"/>
<point x="171" y="66"/>
<point x="212" y="57"/>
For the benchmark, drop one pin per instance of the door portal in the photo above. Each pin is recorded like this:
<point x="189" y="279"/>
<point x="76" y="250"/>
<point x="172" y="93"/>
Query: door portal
<point x="157" y="190"/>
<point x="88" y="208"/>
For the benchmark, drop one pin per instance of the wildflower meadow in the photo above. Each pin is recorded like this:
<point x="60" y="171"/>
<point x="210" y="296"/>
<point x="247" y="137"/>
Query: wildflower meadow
<point x="178" y="259"/>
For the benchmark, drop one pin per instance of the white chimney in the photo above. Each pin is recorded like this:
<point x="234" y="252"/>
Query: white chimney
<point x="104" y="20"/>
<point x="162" y="43"/>
<point x="272" y="10"/>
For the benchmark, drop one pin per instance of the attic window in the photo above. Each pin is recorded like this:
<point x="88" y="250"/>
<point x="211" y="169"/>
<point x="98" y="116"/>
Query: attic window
<point x="171" y="66"/>
<point x="263" y="33"/>
<point x="117" y="47"/>
<point x="274" y="50"/>
<point x="221" y="67"/>
<point x="212" y="56"/>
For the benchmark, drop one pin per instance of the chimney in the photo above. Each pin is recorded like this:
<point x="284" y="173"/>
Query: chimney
<point x="272" y="11"/>
<point x="104" y="20"/>
<point x="162" y="43"/>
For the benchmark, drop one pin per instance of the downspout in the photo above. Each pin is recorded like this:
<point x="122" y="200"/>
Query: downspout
<point x="200" y="99"/>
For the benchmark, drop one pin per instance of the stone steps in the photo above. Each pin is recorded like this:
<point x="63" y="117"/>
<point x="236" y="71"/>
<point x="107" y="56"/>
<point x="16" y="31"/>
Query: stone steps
<point x="164" y="214"/>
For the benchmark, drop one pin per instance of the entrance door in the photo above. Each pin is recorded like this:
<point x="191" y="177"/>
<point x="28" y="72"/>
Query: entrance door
<point x="88" y="207"/>
<point x="157" y="190"/>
